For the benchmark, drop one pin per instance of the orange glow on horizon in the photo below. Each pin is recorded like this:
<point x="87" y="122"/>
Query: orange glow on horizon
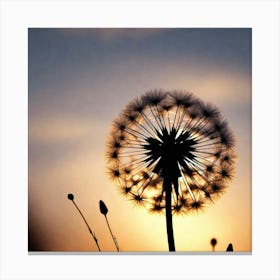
<point x="70" y="118"/>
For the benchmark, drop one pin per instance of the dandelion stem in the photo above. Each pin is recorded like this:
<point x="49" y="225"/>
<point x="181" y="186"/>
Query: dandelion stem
<point x="168" y="211"/>
<point x="90" y="231"/>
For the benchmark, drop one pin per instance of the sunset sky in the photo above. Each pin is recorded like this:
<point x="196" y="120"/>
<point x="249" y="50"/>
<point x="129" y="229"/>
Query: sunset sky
<point x="78" y="82"/>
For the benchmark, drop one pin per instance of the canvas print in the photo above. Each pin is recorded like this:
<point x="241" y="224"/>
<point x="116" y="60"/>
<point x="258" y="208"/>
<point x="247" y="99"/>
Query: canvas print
<point x="139" y="140"/>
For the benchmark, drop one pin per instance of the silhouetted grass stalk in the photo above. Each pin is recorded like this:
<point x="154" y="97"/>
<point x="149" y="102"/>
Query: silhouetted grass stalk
<point x="104" y="211"/>
<point x="213" y="243"/>
<point x="113" y="237"/>
<point x="71" y="197"/>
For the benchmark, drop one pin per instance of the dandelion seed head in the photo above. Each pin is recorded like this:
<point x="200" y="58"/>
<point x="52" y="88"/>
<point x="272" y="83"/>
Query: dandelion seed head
<point x="171" y="136"/>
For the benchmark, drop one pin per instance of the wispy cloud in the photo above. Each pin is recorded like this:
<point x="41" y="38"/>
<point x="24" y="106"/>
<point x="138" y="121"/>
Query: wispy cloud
<point x="55" y="130"/>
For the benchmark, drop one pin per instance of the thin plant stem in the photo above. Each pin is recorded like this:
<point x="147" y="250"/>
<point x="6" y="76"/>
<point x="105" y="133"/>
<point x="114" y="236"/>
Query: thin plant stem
<point x="90" y="231"/>
<point x="168" y="211"/>
<point x="113" y="237"/>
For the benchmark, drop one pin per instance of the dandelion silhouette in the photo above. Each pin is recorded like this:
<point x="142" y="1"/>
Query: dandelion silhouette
<point x="170" y="151"/>
<point x="70" y="196"/>
<point x="104" y="211"/>
<point x="213" y="243"/>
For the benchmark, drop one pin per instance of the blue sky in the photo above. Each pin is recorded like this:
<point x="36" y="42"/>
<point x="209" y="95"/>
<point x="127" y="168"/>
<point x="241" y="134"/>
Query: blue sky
<point x="62" y="59"/>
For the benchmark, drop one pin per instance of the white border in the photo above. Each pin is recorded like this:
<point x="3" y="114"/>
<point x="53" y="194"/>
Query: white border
<point x="17" y="16"/>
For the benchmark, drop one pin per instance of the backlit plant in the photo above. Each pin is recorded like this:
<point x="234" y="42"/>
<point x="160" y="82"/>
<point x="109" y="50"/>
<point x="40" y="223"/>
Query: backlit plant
<point x="169" y="151"/>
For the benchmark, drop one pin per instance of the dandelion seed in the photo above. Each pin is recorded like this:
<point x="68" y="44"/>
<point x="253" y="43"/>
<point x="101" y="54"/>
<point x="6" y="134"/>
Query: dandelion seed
<point x="114" y="173"/>
<point x="136" y="106"/>
<point x="127" y="170"/>
<point x="217" y="188"/>
<point x="226" y="172"/>
<point x="137" y="199"/>
<point x="113" y="154"/>
<point x="125" y="190"/>
<point x="178" y="209"/>
<point x="153" y="98"/>
<point x="158" y="198"/>
<point x="228" y="158"/>
<point x="197" y="205"/>
<point x="156" y="209"/>
<point x="210" y="168"/>
<point x="210" y="111"/>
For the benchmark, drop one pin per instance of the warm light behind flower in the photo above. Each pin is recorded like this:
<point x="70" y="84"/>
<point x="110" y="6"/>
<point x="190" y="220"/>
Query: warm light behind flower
<point x="78" y="84"/>
<point x="171" y="134"/>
